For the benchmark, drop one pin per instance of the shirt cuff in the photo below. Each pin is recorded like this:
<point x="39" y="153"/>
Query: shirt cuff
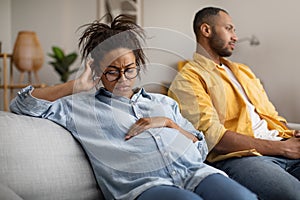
<point x="25" y="92"/>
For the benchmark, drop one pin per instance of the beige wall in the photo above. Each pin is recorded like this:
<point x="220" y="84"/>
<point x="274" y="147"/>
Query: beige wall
<point x="273" y="22"/>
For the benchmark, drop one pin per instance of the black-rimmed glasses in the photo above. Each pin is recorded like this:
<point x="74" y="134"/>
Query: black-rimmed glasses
<point x="115" y="74"/>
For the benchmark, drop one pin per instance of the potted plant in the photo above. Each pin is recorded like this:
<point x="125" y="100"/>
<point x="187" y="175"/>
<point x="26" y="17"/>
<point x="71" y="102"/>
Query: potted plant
<point x="62" y="62"/>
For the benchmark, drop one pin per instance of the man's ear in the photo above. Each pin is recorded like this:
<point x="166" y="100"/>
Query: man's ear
<point x="205" y="29"/>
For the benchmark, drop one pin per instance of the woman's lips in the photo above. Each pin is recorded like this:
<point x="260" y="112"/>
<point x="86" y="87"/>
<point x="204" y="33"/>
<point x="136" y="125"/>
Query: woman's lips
<point x="122" y="87"/>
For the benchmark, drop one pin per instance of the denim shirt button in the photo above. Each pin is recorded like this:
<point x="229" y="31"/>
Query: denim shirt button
<point x="173" y="172"/>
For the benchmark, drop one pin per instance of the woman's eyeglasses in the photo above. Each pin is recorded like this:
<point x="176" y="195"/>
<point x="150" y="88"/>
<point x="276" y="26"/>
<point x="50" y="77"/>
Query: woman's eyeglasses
<point x="115" y="74"/>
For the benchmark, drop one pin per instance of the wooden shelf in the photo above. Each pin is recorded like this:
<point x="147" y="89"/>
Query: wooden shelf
<point x="8" y="84"/>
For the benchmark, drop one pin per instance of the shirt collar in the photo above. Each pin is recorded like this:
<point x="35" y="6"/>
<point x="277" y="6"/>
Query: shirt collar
<point x="208" y="63"/>
<point x="138" y="92"/>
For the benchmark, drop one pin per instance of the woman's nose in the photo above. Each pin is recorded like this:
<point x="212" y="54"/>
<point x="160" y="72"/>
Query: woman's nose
<point x="122" y="76"/>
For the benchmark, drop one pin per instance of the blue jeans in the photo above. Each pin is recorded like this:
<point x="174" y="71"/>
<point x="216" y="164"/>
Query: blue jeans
<point x="268" y="177"/>
<point x="213" y="187"/>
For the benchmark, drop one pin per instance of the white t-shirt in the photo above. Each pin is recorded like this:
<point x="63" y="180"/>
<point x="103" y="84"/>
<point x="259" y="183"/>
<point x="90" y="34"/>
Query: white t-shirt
<point x="259" y="126"/>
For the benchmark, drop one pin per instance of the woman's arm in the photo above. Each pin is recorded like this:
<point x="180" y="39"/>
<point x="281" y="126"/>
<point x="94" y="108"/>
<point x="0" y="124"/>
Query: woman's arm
<point x="156" y="122"/>
<point x="83" y="83"/>
<point x="172" y="124"/>
<point x="37" y="102"/>
<point x="55" y="92"/>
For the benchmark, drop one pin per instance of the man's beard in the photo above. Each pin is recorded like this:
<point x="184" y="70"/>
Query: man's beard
<point x="217" y="44"/>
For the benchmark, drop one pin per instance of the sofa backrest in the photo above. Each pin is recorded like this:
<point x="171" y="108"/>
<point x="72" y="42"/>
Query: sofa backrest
<point x="41" y="160"/>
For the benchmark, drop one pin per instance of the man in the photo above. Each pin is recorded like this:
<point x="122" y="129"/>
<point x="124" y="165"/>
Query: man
<point x="245" y="135"/>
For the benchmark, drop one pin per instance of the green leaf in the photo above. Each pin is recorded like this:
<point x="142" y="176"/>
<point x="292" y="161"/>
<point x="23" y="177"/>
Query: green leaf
<point x="69" y="59"/>
<point x="73" y="70"/>
<point x="58" y="53"/>
<point x="51" y="55"/>
<point x="64" y="78"/>
<point x="59" y="70"/>
<point x="62" y="62"/>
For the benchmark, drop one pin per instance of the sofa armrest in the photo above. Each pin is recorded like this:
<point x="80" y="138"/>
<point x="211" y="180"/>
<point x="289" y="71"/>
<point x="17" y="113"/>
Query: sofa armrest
<point x="41" y="160"/>
<point x="294" y="126"/>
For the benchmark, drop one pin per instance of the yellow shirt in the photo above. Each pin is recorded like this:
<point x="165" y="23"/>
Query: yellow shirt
<point x="213" y="104"/>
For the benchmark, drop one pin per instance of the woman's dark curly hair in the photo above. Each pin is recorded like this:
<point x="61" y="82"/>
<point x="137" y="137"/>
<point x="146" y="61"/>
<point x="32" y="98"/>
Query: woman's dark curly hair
<point x="98" y="39"/>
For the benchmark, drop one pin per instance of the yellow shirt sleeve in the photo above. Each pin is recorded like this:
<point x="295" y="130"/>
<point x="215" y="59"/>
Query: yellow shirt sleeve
<point x="188" y="89"/>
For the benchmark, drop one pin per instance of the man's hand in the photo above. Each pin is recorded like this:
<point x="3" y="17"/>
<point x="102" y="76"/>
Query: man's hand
<point x="297" y="133"/>
<point x="145" y="123"/>
<point x="292" y="147"/>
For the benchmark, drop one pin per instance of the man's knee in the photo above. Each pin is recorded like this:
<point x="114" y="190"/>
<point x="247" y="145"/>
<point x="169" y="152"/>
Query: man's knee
<point x="264" y="176"/>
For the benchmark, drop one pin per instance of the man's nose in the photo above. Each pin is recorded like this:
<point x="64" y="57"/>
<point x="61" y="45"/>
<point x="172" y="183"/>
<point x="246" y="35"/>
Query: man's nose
<point x="235" y="37"/>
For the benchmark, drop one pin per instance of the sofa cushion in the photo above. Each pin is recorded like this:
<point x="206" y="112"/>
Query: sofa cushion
<point x="41" y="160"/>
<point x="7" y="194"/>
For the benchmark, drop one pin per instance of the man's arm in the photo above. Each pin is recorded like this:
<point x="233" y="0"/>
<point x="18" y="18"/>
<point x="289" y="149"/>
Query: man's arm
<point x="232" y="142"/>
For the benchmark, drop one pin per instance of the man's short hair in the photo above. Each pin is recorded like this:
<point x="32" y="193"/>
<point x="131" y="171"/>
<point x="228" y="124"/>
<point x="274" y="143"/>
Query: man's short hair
<point x="205" y="15"/>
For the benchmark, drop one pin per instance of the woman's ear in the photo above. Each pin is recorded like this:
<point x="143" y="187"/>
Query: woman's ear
<point x="205" y="29"/>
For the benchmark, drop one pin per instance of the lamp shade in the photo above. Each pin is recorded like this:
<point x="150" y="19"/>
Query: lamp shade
<point x="28" y="54"/>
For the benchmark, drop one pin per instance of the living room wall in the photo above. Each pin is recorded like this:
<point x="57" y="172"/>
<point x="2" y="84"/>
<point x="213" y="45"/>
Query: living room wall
<point x="169" y="24"/>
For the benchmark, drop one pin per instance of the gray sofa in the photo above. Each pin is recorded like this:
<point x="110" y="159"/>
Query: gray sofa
<point x="40" y="160"/>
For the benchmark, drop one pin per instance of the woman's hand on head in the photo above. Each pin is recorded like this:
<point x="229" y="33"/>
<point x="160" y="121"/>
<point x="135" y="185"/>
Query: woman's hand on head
<point x="85" y="81"/>
<point x="145" y="123"/>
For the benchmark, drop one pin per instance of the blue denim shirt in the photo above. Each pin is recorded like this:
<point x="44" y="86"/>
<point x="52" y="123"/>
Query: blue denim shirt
<point x="124" y="169"/>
